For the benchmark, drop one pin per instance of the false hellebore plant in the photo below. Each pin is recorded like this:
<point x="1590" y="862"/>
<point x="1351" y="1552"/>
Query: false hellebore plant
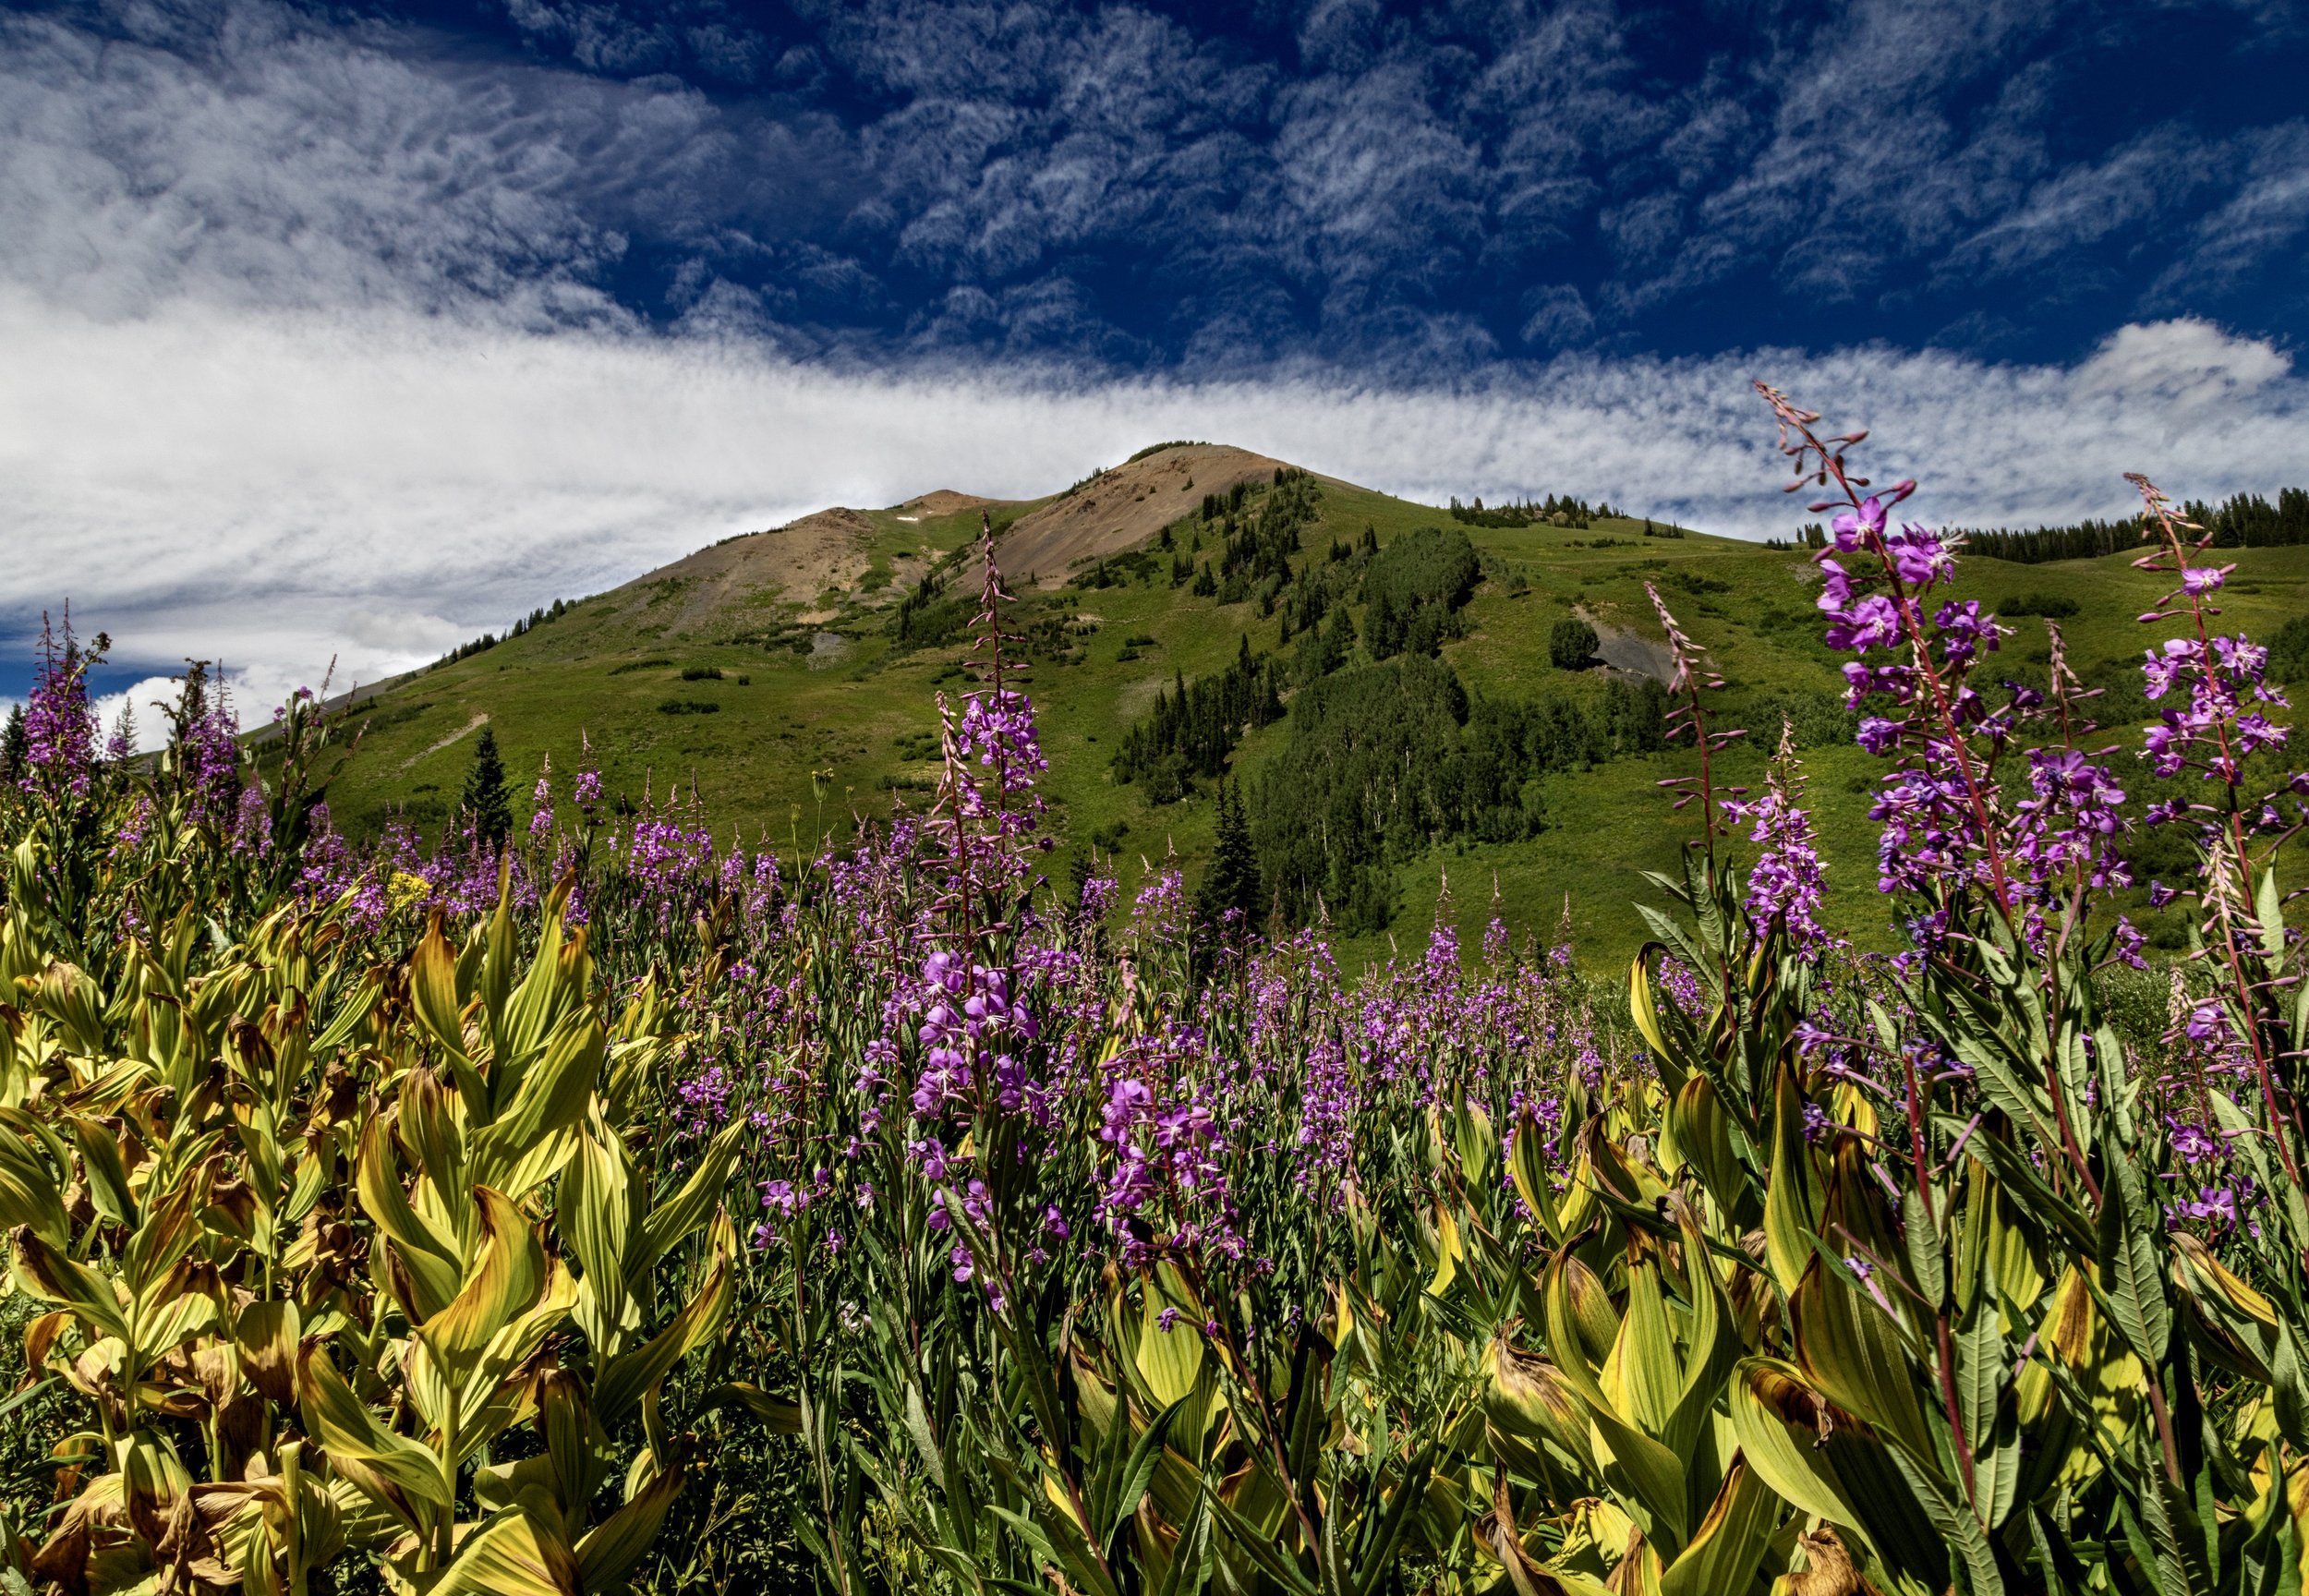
<point x="312" y="1236"/>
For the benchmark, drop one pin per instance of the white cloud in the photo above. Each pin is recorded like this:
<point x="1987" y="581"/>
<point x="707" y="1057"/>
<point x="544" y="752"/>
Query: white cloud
<point x="148" y="727"/>
<point x="2185" y="367"/>
<point x="275" y="490"/>
<point x="2270" y="210"/>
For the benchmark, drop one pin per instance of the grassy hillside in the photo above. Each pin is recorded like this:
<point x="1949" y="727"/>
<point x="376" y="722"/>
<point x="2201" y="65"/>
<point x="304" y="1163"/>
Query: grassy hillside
<point x="770" y="674"/>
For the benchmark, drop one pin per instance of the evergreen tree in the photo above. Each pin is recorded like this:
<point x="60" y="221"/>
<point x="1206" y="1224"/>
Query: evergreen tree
<point x="15" y="746"/>
<point x="1233" y="880"/>
<point x="484" y="802"/>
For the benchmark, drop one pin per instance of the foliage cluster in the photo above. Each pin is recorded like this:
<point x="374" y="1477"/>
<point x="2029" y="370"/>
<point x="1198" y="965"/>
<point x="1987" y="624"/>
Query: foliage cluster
<point x="1414" y="589"/>
<point x="1193" y="727"/>
<point x="1548" y="511"/>
<point x="1384" y="760"/>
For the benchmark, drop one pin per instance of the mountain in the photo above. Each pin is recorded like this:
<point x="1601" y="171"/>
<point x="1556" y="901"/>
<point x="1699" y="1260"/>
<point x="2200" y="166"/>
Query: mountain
<point x="790" y="676"/>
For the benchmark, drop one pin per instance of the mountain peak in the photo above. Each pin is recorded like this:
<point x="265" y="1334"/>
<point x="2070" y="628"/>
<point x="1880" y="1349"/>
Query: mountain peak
<point x="1123" y="507"/>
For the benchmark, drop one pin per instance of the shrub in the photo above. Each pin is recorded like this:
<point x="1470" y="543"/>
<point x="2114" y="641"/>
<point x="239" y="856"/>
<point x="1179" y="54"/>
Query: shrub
<point x="2289" y="651"/>
<point x="1385" y="760"/>
<point x="1571" y="644"/>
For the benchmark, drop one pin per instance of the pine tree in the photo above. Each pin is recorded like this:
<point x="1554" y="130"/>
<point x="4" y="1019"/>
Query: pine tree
<point x="15" y="746"/>
<point x="484" y="803"/>
<point x="1233" y="880"/>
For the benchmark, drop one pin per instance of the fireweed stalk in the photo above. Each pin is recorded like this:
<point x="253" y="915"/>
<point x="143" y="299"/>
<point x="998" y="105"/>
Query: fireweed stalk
<point x="1945" y="832"/>
<point x="2222" y="726"/>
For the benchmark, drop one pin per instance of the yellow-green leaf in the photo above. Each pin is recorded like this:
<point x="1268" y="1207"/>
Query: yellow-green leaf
<point x="1723" y="1551"/>
<point x="511" y="1554"/>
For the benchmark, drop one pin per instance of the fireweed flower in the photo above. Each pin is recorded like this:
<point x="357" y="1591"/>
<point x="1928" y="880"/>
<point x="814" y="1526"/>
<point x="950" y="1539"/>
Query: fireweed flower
<point x="59" y="723"/>
<point x="1936" y="808"/>
<point x="541" y="815"/>
<point x="1788" y="878"/>
<point x="1683" y="988"/>
<point x="209" y="752"/>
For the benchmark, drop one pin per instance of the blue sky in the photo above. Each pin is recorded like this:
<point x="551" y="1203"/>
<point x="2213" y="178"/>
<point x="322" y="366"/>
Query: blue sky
<point x="353" y="329"/>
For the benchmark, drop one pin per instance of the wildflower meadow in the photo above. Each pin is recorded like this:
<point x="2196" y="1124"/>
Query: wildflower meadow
<point x="613" y="1207"/>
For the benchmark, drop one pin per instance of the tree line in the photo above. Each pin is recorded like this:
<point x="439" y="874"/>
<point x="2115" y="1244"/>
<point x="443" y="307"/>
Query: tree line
<point x="1528" y="511"/>
<point x="488" y="640"/>
<point x="2240" y="521"/>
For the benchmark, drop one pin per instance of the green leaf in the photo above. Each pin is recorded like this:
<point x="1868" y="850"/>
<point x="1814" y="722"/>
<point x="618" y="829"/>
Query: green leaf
<point x="1138" y="1472"/>
<point x="508" y="1277"/>
<point x="1650" y="1473"/>
<point x="1260" y="1548"/>
<point x="429" y="1259"/>
<point x="107" y="1174"/>
<point x="511" y="1554"/>
<point x="684" y="1213"/>
<point x="1777" y="1418"/>
<point x="31" y="1193"/>
<point x="1168" y="1359"/>
<point x="1957" y="1525"/>
<point x="387" y="1466"/>
<point x="608" y="1551"/>
<point x="782" y="1417"/>
<point x="551" y="1098"/>
<point x="2130" y="1275"/>
<point x="51" y="1277"/>
<point x="1848" y="1348"/>
<point x="433" y="996"/>
<point x="1377" y="1559"/>
<point x="629" y="1376"/>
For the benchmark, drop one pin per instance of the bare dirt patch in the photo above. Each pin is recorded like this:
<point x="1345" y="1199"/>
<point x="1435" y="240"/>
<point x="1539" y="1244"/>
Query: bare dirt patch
<point x="1127" y="506"/>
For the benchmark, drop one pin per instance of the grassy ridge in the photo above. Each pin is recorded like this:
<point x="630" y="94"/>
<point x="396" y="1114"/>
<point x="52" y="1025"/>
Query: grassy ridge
<point x="808" y="736"/>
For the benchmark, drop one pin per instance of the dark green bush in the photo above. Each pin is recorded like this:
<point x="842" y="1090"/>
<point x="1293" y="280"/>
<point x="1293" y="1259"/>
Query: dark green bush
<point x="2051" y="606"/>
<point x="1384" y="760"/>
<point x="2289" y="651"/>
<point x="1571" y="645"/>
